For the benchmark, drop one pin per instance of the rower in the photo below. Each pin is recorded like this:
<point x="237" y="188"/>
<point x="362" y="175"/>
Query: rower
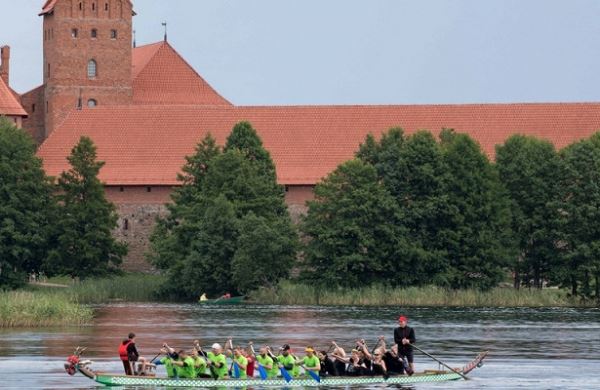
<point x="184" y="365"/>
<point x="217" y="360"/>
<point x="266" y="362"/>
<point x="167" y="360"/>
<point x="327" y="366"/>
<point x="310" y="362"/>
<point x="199" y="364"/>
<point x="339" y="356"/>
<point x="240" y="361"/>
<point x="287" y="361"/>
<point x="393" y="361"/>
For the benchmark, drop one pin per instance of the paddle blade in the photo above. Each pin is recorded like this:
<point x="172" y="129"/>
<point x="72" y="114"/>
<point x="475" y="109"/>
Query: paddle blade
<point x="286" y="375"/>
<point x="262" y="372"/>
<point x="236" y="371"/>
<point x="314" y="375"/>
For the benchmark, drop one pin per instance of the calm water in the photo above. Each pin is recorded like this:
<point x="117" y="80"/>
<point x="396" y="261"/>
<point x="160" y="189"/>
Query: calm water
<point x="529" y="348"/>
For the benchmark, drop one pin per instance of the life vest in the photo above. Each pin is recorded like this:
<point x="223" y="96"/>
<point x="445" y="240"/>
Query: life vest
<point x="123" y="351"/>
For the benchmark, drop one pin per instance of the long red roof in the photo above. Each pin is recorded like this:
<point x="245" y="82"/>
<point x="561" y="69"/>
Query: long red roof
<point x="146" y="145"/>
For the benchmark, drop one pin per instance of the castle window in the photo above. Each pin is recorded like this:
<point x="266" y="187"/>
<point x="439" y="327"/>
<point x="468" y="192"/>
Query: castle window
<point x="106" y="6"/>
<point x="94" y="33"/>
<point x="148" y="189"/>
<point x="74" y="33"/>
<point x="48" y="69"/>
<point x="121" y="189"/>
<point x="93" y="6"/>
<point x="113" y="34"/>
<point x="92" y="103"/>
<point x="33" y="108"/>
<point x="80" y="6"/>
<point x="125" y="224"/>
<point x="92" y="69"/>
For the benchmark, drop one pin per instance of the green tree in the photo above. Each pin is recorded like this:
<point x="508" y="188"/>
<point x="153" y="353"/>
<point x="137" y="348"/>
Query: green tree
<point x="479" y="242"/>
<point x="85" y="244"/>
<point x="266" y="252"/>
<point x="354" y="231"/>
<point x="206" y="229"/>
<point x="580" y="211"/>
<point x="26" y="207"/>
<point x="529" y="170"/>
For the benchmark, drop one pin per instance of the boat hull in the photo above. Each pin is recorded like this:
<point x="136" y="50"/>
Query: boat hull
<point x="223" y="301"/>
<point x="122" y="380"/>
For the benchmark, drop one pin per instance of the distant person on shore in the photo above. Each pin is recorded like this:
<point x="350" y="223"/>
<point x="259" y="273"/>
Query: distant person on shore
<point x="129" y="354"/>
<point x="404" y="336"/>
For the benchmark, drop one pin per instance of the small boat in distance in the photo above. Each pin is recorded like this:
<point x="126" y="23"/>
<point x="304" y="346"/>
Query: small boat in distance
<point x="222" y="300"/>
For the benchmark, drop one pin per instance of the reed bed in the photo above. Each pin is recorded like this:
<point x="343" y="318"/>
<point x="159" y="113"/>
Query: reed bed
<point x="287" y="293"/>
<point x="29" y="309"/>
<point x="129" y="288"/>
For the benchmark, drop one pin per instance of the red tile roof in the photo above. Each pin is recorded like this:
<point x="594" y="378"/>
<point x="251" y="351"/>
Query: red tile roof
<point x="162" y="76"/>
<point x="146" y="145"/>
<point x="9" y="104"/>
<point x="48" y="7"/>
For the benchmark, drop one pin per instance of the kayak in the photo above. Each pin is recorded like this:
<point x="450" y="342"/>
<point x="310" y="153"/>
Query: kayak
<point x="223" y="301"/>
<point x="152" y="381"/>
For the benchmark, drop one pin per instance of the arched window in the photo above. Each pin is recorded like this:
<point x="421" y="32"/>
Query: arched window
<point x="92" y="69"/>
<point x="92" y="103"/>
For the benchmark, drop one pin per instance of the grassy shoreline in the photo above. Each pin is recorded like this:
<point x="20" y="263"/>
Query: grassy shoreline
<point x="287" y="293"/>
<point x="41" y="306"/>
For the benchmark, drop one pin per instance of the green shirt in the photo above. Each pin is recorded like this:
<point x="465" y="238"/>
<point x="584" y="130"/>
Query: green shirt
<point x="188" y="370"/>
<point x="244" y="363"/>
<point x="312" y="361"/>
<point x="218" y="359"/>
<point x="199" y="366"/>
<point x="267" y="361"/>
<point x="168" y="366"/>
<point x="288" y="361"/>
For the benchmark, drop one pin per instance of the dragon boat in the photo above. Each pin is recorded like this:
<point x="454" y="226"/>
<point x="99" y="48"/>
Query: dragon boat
<point x="75" y="364"/>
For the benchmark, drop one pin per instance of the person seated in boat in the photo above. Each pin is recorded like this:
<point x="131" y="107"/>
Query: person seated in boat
<point x="184" y="365"/>
<point x="310" y="362"/>
<point x="339" y="359"/>
<point x="241" y="362"/>
<point x="251" y="360"/>
<point x="167" y="360"/>
<point x="275" y="369"/>
<point x="129" y="354"/>
<point x="203" y="297"/>
<point x="393" y="362"/>
<point x="287" y="360"/>
<point x="355" y="365"/>
<point x="217" y="362"/>
<point x="266" y="362"/>
<point x="327" y="366"/>
<point x="365" y="356"/>
<point x="226" y="296"/>
<point x="199" y="364"/>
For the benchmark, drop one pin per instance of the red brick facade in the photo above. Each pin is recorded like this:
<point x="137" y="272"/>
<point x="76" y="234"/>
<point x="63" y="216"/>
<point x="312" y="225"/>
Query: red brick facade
<point x="87" y="61"/>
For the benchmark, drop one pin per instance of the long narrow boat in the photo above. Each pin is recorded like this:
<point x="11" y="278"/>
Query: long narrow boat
<point x="151" y="381"/>
<point x="223" y="301"/>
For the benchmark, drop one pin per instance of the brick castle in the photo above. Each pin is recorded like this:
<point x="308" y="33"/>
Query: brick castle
<point x="146" y="108"/>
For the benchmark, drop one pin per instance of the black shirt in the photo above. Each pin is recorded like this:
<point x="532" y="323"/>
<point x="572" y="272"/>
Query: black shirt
<point x="393" y="363"/>
<point x="404" y="333"/>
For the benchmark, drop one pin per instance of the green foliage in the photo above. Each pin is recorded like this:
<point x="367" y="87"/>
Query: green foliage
<point x="26" y="207"/>
<point x="206" y="243"/>
<point x="353" y="227"/>
<point x="84" y="243"/>
<point x="580" y="211"/>
<point x="479" y="241"/>
<point x="529" y="169"/>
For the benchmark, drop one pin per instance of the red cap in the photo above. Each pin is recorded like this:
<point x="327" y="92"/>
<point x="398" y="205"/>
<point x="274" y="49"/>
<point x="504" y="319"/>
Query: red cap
<point x="403" y="318"/>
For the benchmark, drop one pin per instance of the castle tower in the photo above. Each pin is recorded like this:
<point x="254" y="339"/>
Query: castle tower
<point x="87" y="56"/>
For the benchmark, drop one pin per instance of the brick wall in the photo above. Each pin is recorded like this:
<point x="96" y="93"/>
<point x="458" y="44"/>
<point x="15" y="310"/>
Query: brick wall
<point x="74" y="36"/>
<point x="33" y="103"/>
<point x="139" y="207"/>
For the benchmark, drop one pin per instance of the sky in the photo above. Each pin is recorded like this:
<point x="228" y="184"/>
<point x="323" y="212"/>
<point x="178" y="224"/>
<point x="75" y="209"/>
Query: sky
<point x="293" y="52"/>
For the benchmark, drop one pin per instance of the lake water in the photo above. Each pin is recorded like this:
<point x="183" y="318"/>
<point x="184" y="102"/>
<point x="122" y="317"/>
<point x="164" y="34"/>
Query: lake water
<point x="529" y="348"/>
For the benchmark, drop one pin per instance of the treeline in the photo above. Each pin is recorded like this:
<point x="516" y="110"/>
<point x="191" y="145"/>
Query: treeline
<point x="60" y="227"/>
<point x="406" y="211"/>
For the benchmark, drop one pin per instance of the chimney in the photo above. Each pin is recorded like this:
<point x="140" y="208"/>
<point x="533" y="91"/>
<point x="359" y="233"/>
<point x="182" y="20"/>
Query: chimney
<point x="5" y="63"/>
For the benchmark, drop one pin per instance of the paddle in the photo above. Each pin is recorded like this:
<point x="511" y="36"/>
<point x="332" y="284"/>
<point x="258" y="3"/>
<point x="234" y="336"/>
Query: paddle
<point x="439" y="361"/>
<point x="261" y="370"/>
<point x="311" y="373"/>
<point x="157" y="355"/>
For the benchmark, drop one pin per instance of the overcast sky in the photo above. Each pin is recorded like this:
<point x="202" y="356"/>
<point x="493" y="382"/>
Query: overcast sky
<point x="257" y="52"/>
